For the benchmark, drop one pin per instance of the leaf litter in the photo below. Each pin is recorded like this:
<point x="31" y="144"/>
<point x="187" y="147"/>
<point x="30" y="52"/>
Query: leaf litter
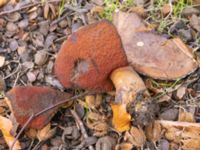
<point x="32" y="34"/>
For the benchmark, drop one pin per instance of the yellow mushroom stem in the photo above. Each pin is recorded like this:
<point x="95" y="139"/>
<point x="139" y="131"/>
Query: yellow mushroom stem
<point x="127" y="83"/>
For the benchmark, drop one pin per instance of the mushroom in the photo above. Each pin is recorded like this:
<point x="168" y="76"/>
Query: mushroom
<point x="29" y="100"/>
<point x="85" y="61"/>
<point x="151" y="54"/>
<point x="85" y="58"/>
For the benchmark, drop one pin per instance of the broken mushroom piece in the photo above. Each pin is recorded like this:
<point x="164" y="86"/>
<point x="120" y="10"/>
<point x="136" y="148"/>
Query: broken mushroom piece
<point x="150" y="54"/>
<point x="29" y="100"/>
<point x="131" y="95"/>
<point x="85" y="58"/>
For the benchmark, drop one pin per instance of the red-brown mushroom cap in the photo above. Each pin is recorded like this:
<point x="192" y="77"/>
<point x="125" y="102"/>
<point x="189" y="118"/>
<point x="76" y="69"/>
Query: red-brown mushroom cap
<point x="32" y="99"/>
<point x="151" y="54"/>
<point x="89" y="55"/>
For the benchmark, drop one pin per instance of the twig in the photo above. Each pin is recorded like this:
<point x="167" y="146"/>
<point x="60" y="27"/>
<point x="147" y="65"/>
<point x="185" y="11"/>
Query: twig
<point x="43" y="111"/>
<point x="18" y="68"/>
<point x="81" y="125"/>
<point x="26" y="6"/>
<point x="22" y="129"/>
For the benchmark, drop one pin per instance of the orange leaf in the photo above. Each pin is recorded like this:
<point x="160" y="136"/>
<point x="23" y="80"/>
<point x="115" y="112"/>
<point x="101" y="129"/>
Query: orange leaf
<point x="6" y="127"/>
<point x="121" y="118"/>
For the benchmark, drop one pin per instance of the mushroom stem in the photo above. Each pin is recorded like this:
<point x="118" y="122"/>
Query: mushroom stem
<point x="127" y="83"/>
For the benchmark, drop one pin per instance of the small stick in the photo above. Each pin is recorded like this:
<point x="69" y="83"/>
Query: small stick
<point x="43" y="111"/>
<point x="81" y="125"/>
<point x="22" y="129"/>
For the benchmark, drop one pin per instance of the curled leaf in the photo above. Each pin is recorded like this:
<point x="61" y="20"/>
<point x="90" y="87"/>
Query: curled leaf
<point x="6" y="127"/>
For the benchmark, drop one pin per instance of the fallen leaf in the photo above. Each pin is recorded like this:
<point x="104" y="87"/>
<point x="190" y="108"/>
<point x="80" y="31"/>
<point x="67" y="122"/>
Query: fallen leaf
<point x="138" y="10"/>
<point x="153" y="131"/>
<point x="151" y="54"/>
<point x="2" y="61"/>
<point x="135" y="136"/>
<point x="46" y="10"/>
<point x="166" y="9"/>
<point x="195" y="22"/>
<point x="185" y="116"/>
<point x="46" y="133"/>
<point x="23" y="101"/>
<point x="97" y="10"/>
<point x="185" y="133"/>
<point x="98" y="123"/>
<point x="124" y="146"/>
<point x="196" y="1"/>
<point x="121" y="118"/>
<point x="93" y="101"/>
<point x="106" y="142"/>
<point x="6" y="127"/>
<point x="181" y="92"/>
<point x="3" y="2"/>
<point x="31" y="133"/>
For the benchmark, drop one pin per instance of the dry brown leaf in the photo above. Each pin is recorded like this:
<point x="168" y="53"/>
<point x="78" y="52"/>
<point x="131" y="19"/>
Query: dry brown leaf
<point x="46" y="10"/>
<point x="138" y="10"/>
<point x="185" y="116"/>
<point x="2" y="60"/>
<point x="124" y="146"/>
<point x="31" y="133"/>
<point x="6" y="127"/>
<point x="191" y="144"/>
<point x="173" y="134"/>
<point x="53" y="10"/>
<point x="92" y="117"/>
<point x="100" y="128"/>
<point x="121" y="118"/>
<point x="45" y="133"/>
<point x="93" y="101"/>
<point x="166" y="9"/>
<point x="186" y="133"/>
<point x="196" y="1"/>
<point x="98" y="123"/>
<point x="153" y="131"/>
<point x="181" y="92"/>
<point x="135" y="136"/>
<point x="2" y="110"/>
<point x="151" y="54"/>
<point x="3" y="2"/>
<point x="97" y="10"/>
